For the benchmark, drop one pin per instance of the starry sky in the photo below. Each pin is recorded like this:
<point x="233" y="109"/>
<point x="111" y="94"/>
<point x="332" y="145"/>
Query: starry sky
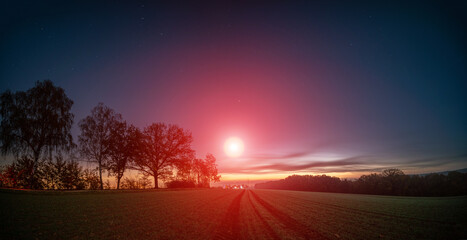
<point x="311" y="87"/>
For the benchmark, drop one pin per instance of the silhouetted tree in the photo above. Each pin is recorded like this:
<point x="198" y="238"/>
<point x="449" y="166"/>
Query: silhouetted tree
<point x="123" y="146"/>
<point x="389" y="182"/>
<point x="20" y="173"/>
<point x="4" y="177"/>
<point x="136" y="183"/>
<point x="392" y="172"/>
<point x="63" y="174"/>
<point x="144" y="182"/>
<point x="393" y="181"/>
<point x="72" y="178"/>
<point x="197" y="169"/>
<point x="185" y="170"/>
<point x="91" y="179"/>
<point x="181" y="184"/>
<point x="95" y="137"/>
<point x="35" y="123"/>
<point x="161" y="148"/>
<point x="208" y="170"/>
<point x="52" y="170"/>
<point x="130" y="183"/>
<point x="193" y="172"/>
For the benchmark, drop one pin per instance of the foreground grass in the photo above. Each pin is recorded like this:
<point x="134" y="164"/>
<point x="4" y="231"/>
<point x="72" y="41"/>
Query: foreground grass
<point x="227" y="214"/>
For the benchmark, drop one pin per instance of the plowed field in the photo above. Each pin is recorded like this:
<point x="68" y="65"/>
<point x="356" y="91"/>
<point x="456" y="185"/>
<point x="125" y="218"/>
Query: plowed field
<point x="227" y="214"/>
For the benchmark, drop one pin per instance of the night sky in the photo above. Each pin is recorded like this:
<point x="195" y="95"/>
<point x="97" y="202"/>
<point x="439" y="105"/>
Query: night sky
<point x="337" y="88"/>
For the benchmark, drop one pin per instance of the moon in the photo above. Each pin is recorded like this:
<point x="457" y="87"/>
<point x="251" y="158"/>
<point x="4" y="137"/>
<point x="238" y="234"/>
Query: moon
<point x="233" y="147"/>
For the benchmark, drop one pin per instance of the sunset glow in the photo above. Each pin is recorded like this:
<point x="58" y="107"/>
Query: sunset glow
<point x="233" y="119"/>
<point x="269" y="89"/>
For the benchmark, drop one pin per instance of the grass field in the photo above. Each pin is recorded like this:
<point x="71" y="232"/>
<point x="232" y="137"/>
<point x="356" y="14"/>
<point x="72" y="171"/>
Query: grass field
<point x="227" y="214"/>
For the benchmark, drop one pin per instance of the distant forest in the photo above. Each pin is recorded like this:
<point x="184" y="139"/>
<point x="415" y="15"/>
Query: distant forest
<point x="388" y="182"/>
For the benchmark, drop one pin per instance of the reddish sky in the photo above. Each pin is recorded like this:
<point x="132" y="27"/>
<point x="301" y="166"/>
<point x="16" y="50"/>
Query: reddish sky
<point x="311" y="88"/>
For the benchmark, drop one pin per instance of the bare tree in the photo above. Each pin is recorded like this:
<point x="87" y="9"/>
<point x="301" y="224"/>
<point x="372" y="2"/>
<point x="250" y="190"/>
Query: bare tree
<point x="35" y="123"/>
<point x="123" y="146"/>
<point x="161" y="148"/>
<point x="95" y="137"/>
<point x="392" y="172"/>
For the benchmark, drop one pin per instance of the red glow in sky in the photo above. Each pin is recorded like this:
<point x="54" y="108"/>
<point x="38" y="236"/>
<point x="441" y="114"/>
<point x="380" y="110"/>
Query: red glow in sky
<point x="308" y="87"/>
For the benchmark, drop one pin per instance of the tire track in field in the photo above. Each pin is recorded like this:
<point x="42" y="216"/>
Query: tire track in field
<point x="268" y="228"/>
<point x="209" y="202"/>
<point x="229" y="228"/>
<point x="379" y="214"/>
<point x="288" y="221"/>
<point x="220" y="197"/>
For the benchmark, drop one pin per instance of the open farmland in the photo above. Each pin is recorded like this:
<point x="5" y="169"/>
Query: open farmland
<point x="227" y="214"/>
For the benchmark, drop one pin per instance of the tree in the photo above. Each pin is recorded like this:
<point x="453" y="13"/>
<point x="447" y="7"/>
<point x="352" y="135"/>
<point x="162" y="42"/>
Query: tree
<point x="211" y="173"/>
<point x="62" y="173"/>
<point x="135" y="183"/>
<point x="123" y="145"/>
<point x="181" y="184"/>
<point x="185" y="170"/>
<point x="35" y="123"/>
<point x="91" y="179"/>
<point x="52" y="171"/>
<point x="393" y="180"/>
<point x="206" y="170"/>
<point x="162" y="147"/>
<point x="5" y="177"/>
<point x="19" y="173"/>
<point x="130" y="183"/>
<point x="144" y="182"/>
<point x="198" y="169"/>
<point x="96" y="134"/>
<point x="72" y="177"/>
<point x="392" y="172"/>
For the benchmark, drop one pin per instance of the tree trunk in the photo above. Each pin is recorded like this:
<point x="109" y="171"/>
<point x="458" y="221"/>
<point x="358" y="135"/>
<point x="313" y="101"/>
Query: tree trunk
<point x="118" y="182"/>
<point x="32" y="182"/>
<point x="156" y="181"/>
<point x="100" y="175"/>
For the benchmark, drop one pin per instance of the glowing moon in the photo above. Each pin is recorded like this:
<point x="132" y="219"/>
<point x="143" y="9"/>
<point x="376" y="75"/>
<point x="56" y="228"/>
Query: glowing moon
<point x="233" y="147"/>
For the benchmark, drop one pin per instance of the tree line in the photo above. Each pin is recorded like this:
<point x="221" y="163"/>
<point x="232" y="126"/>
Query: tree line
<point x="388" y="182"/>
<point x="35" y="129"/>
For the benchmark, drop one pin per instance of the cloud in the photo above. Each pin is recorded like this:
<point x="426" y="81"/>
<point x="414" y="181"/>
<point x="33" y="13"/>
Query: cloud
<point x="362" y="163"/>
<point x="438" y="159"/>
<point x="314" y="148"/>
<point x="312" y="164"/>
<point x="275" y="156"/>
<point x="285" y="167"/>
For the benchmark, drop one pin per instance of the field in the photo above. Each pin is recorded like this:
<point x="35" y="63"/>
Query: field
<point x="227" y="214"/>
